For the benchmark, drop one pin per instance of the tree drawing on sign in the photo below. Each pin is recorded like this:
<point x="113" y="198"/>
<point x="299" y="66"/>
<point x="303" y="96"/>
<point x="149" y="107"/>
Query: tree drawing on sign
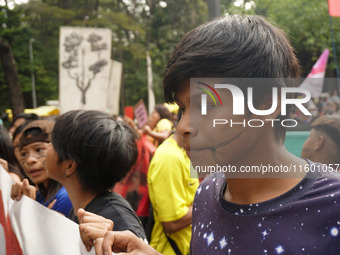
<point x="75" y="64"/>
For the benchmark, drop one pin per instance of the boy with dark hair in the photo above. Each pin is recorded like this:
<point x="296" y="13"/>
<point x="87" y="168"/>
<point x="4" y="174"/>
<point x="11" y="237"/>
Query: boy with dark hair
<point x="273" y="214"/>
<point x="90" y="152"/>
<point x="323" y="143"/>
<point x="281" y="212"/>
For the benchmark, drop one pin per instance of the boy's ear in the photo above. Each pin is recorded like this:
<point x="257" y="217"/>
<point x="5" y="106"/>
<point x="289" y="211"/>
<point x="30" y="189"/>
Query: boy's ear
<point x="319" y="143"/>
<point x="70" y="168"/>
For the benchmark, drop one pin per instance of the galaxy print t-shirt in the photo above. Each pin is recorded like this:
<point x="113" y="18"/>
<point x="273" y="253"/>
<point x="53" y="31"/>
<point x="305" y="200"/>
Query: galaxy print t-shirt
<point x="305" y="220"/>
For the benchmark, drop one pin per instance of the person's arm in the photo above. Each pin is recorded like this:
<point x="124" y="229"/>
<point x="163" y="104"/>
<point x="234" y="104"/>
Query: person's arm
<point x="160" y="136"/>
<point x="167" y="192"/>
<point x="122" y="242"/>
<point x="176" y="225"/>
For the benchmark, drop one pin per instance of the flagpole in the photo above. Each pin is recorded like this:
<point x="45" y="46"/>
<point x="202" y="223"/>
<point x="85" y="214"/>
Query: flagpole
<point x="334" y="51"/>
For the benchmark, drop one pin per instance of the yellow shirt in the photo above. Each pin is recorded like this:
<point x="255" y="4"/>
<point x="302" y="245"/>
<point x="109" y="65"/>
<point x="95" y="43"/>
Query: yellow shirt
<point x="171" y="192"/>
<point x="163" y="124"/>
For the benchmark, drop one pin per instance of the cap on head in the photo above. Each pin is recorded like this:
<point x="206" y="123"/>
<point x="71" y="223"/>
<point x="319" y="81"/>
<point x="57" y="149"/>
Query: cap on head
<point x="36" y="131"/>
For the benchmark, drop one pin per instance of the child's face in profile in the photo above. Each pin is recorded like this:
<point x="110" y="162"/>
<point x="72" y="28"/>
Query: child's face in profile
<point x="32" y="158"/>
<point x="153" y="119"/>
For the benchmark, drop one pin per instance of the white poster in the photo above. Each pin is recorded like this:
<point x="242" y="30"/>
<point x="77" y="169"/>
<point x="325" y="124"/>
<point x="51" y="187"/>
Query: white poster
<point x="114" y="87"/>
<point x="29" y="228"/>
<point x="84" y="69"/>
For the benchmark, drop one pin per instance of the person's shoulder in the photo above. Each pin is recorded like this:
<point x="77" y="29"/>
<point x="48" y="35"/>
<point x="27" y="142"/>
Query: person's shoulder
<point x="62" y="196"/>
<point x="217" y="177"/>
<point x="164" y="124"/>
<point x="109" y="197"/>
<point x="63" y="203"/>
<point x="211" y="185"/>
<point x="108" y="202"/>
<point x="324" y="171"/>
<point x="113" y="206"/>
<point x="326" y="181"/>
<point x="168" y="149"/>
<point x="61" y="192"/>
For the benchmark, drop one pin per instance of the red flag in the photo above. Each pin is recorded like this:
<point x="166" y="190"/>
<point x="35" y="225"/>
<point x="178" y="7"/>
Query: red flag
<point x="334" y="7"/>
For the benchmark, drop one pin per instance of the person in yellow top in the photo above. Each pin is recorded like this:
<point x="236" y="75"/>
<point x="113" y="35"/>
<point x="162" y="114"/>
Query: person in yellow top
<point x="171" y="191"/>
<point x="160" y="125"/>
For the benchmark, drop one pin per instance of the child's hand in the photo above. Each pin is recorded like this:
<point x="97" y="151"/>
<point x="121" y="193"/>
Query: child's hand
<point x="92" y="226"/>
<point x="122" y="242"/>
<point x="52" y="204"/>
<point x="23" y="188"/>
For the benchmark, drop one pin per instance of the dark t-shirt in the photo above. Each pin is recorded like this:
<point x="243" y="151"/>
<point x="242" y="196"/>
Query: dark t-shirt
<point x="113" y="206"/>
<point x="304" y="220"/>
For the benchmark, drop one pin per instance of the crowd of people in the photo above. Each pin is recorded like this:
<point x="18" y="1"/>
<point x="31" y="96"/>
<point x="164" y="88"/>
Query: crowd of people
<point x="328" y="103"/>
<point x="78" y="164"/>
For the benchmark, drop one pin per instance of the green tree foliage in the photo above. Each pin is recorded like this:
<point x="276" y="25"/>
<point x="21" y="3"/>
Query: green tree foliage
<point x="12" y="32"/>
<point x="141" y="25"/>
<point x="136" y="27"/>
<point x="305" y="21"/>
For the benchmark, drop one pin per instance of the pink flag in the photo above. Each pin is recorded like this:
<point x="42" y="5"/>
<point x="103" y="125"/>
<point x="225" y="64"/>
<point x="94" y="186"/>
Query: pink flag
<point x="334" y="8"/>
<point x="314" y="80"/>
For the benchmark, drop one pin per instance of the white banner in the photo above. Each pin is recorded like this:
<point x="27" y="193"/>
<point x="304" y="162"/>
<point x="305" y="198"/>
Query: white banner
<point x="115" y="80"/>
<point x="84" y="69"/>
<point x="29" y="228"/>
<point x="151" y="94"/>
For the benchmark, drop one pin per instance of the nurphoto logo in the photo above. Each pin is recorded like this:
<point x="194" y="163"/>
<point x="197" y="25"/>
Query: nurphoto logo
<point x="238" y="106"/>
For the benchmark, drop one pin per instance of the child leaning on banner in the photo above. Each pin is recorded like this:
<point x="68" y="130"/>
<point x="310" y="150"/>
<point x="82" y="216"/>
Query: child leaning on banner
<point x="90" y="152"/>
<point x="32" y="156"/>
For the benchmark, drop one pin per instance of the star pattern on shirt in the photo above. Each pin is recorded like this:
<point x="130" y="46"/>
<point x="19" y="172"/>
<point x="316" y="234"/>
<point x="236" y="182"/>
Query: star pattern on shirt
<point x="223" y="243"/>
<point x="279" y="249"/>
<point x="269" y="230"/>
<point x="210" y="238"/>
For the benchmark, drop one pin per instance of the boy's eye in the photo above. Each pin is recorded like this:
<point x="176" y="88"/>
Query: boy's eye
<point x="40" y="151"/>
<point x="23" y="154"/>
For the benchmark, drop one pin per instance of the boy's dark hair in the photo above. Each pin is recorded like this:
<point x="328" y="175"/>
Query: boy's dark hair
<point x="103" y="149"/>
<point x="163" y="112"/>
<point x="26" y="116"/>
<point x="329" y="125"/>
<point x="7" y="153"/>
<point x="232" y="47"/>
